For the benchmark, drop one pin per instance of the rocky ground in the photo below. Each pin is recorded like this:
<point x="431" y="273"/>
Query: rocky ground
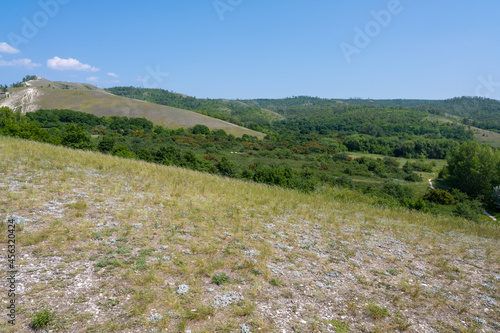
<point x="116" y="252"/>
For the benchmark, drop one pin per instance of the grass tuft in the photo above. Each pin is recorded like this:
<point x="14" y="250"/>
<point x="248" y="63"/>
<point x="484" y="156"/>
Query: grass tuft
<point x="42" y="319"/>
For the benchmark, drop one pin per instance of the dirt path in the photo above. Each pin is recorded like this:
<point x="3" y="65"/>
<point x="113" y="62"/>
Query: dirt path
<point x="490" y="216"/>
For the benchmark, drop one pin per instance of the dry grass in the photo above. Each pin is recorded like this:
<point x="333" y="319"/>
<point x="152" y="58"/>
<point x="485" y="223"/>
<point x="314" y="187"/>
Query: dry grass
<point x="102" y="103"/>
<point x="108" y="241"/>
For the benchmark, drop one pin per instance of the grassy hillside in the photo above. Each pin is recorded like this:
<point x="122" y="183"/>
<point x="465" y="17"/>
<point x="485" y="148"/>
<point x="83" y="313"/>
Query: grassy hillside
<point x="44" y="94"/>
<point x="480" y="135"/>
<point x="101" y="103"/>
<point x="232" y="110"/>
<point x="113" y="245"/>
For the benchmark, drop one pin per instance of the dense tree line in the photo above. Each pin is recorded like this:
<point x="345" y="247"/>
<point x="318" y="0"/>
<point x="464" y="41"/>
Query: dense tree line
<point x="477" y="111"/>
<point x="232" y="111"/>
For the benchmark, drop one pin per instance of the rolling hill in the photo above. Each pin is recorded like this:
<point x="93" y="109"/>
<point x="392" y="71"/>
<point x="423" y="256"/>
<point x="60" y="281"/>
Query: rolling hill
<point x="45" y="94"/>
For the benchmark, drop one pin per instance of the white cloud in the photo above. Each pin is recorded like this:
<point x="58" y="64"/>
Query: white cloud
<point x="93" y="79"/>
<point x="69" y="64"/>
<point x="26" y="63"/>
<point x="113" y="74"/>
<point x="6" y="48"/>
<point x="114" y="81"/>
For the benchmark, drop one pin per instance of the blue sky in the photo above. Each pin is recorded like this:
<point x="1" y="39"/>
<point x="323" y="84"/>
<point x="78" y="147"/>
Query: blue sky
<point x="259" y="48"/>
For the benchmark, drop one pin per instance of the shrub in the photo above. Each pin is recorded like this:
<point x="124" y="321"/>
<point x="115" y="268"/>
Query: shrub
<point x="276" y="282"/>
<point x="76" y="137"/>
<point x="459" y="195"/>
<point x="123" y="151"/>
<point x="378" y="312"/>
<point x="413" y="177"/>
<point x="306" y="184"/>
<point x="440" y="196"/>
<point x="190" y="160"/>
<point x="417" y="204"/>
<point x="344" y="181"/>
<point x="469" y="210"/>
<point x="168" y="155"/>
<point x="201" y="129"/>
<point x="444" y="173"/>
<point x="145" y="155"/>
<point x="226" y="167"/>
<point x="42" y="319"/>
<point x="397" y="191"/>
<point x="220" y="278"/>
<point x="418" y="166"/>
<point x="496" y="196"/>
<point x="391" y="161"/>
<point x="340" y="327"/>
<point x="106" y="145"/>
<point x="340" y="157"/>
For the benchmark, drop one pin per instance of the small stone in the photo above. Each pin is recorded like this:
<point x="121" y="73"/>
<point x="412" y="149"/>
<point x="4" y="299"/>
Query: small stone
<point x="489" y="300"/>
<point x="182" y="289"/>
<point x="320" y="284"/>
<point x="418" y="274"/>
<point x="356" y="262"/>
<point x="227" y="298"/>
<point x="155" y="318"/>
<point x="251" y="253"/>
<point x="245" y="329"/>
<point x="16" y="219"/>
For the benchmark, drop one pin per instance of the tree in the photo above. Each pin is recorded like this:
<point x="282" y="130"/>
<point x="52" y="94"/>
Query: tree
<point x="470" y="210"/>
<point x="440" y="196"/>
<point x="168" y="155"/>
<point x="145" y="155"/>
<point x="473" y="168"/>
<point x="4" y="88"/>
<point x="226" y="167"/>
<point x="123" y="151"/>
<point x="496" y="196"/>
<point x="106" y="145"/>
<point x="190" y="160"/>
<point x="201" y="129"/>
<point x="76" y="137"/>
